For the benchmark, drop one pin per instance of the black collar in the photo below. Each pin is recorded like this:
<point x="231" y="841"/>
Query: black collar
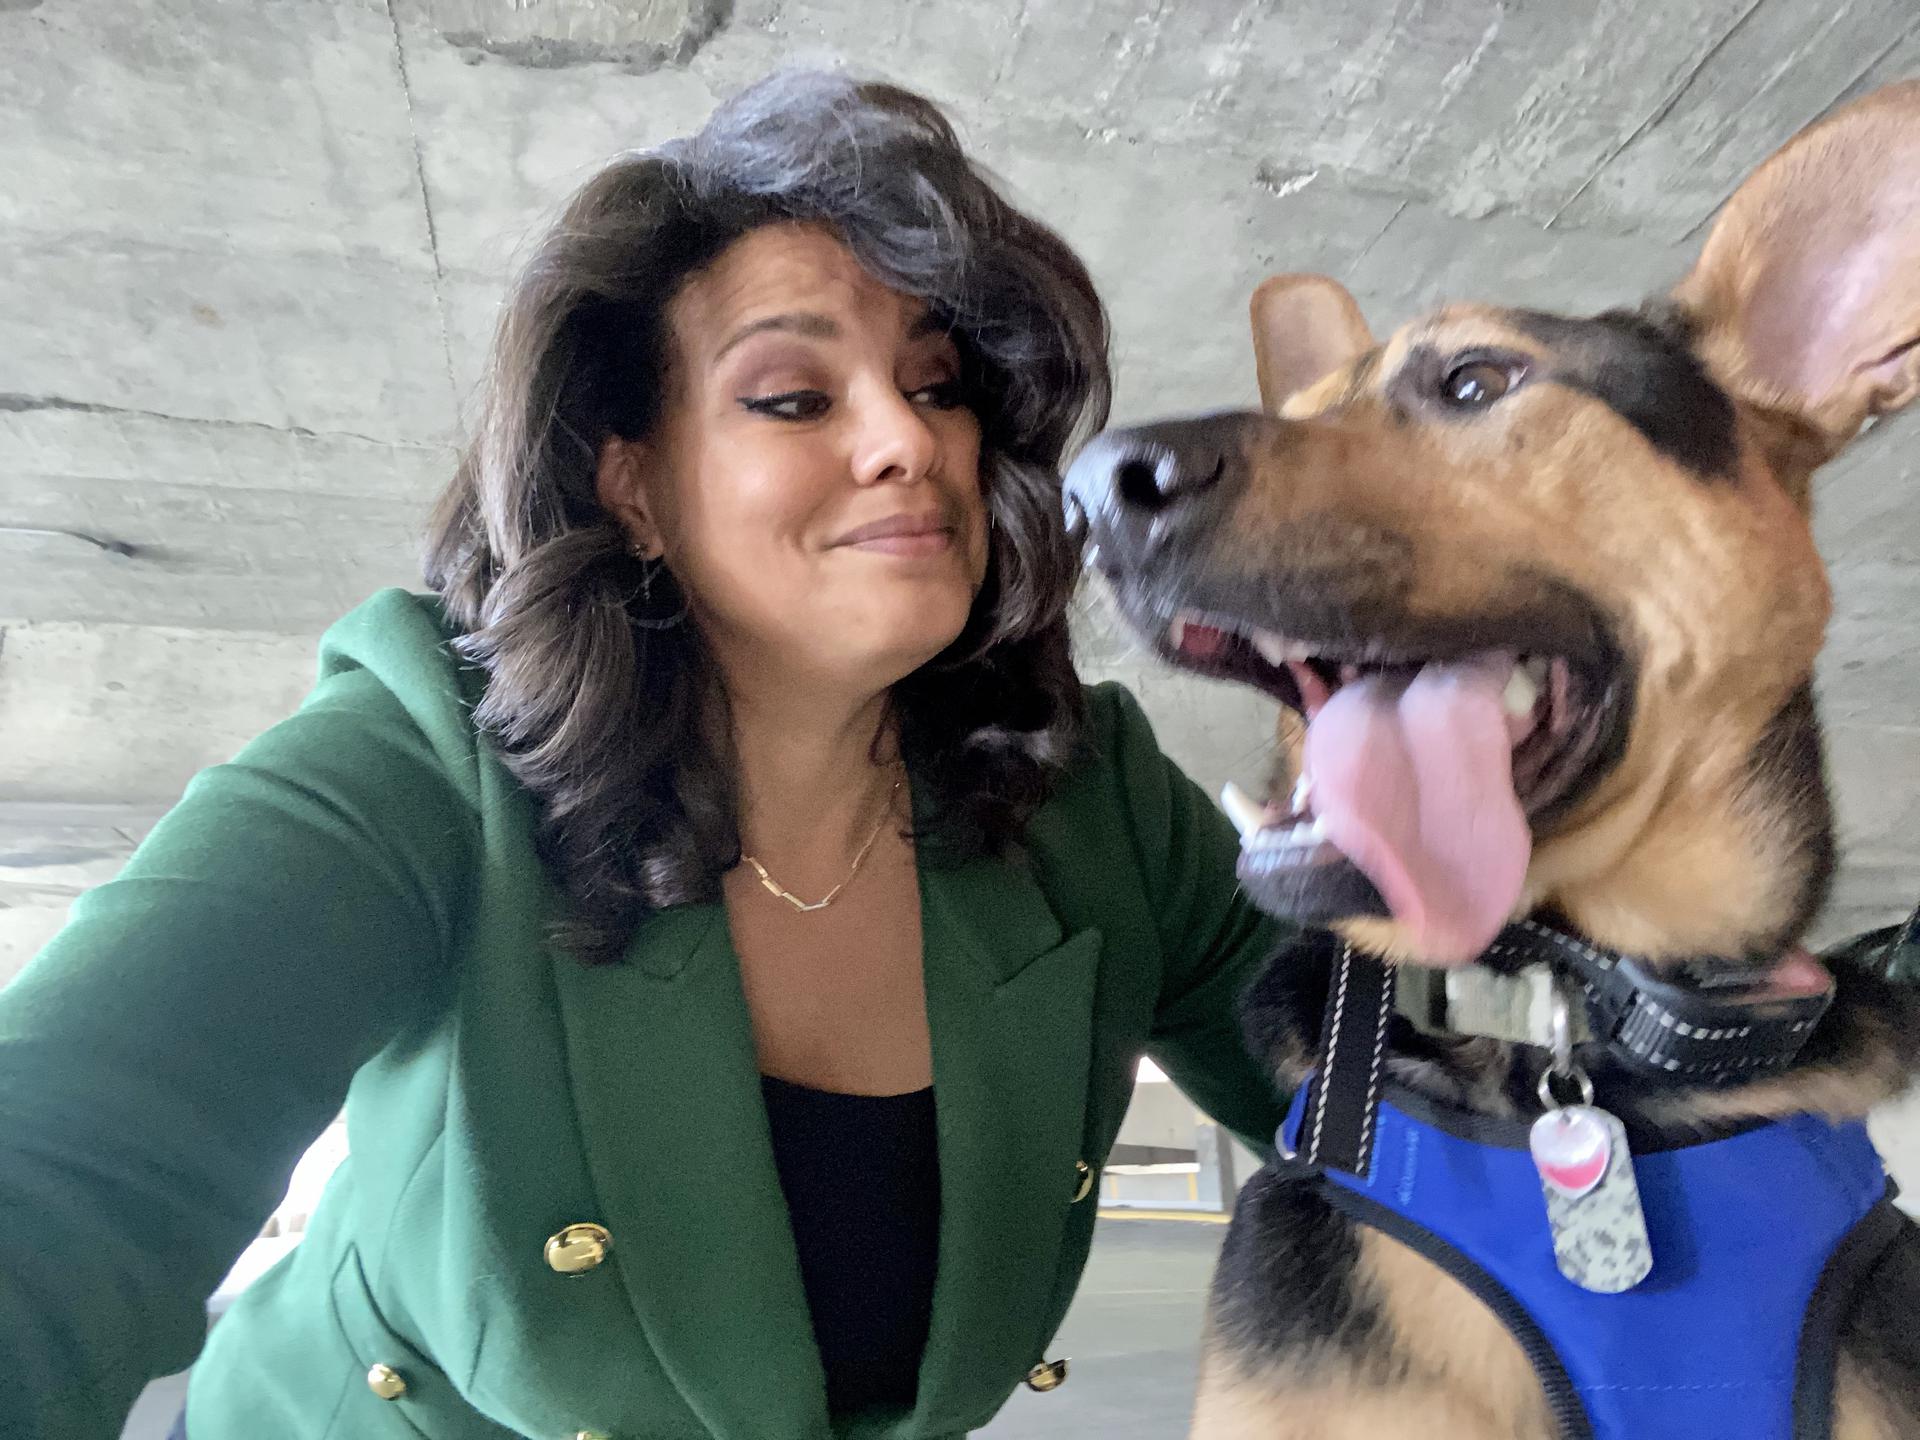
<point x="1705" y="1021"/>
<point x="1701" y="1021"/>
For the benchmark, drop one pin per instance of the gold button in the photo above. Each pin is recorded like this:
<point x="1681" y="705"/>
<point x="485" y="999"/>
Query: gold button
<point x="386" y="1382"/>
<point x="1047" y="1375"/>
<point x="578" y="1248"/>
<point x="1083" y="1182"/>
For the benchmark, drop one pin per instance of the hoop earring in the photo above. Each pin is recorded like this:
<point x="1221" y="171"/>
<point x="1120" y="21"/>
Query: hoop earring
<point x="644" y="617"/>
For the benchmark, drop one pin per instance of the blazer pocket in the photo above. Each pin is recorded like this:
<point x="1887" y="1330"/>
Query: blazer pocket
<point x="400" y="1393"/>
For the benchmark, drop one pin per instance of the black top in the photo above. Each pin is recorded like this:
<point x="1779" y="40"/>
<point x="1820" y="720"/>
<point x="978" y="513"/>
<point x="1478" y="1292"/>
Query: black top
<point x="862" y="1180"/>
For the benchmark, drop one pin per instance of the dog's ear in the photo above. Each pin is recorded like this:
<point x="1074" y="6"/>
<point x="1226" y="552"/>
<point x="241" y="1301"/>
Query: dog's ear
<point x="1304" y="327"/>
<point x="1806" y="297"/>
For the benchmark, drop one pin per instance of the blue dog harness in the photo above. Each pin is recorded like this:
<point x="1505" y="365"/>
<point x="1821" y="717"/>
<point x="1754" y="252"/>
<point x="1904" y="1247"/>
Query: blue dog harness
<point x="1757" y="1240"/>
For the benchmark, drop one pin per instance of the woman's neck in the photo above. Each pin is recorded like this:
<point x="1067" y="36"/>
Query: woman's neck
<point x="815" y="770"/>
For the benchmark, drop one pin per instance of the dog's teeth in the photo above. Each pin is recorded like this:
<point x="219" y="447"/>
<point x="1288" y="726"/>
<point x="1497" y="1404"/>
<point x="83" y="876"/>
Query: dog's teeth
<point x="1522" y="693"/>
<point x="1302" y="792"/>
<point x="1176" y="632"/>
<point x="1272" y="648"/>
<point x="1302" y="836"/>
<point x="1247" y="813"/>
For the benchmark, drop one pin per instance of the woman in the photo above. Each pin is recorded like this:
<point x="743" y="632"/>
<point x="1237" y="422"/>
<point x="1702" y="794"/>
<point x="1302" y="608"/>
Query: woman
<point x="729" y="924"/>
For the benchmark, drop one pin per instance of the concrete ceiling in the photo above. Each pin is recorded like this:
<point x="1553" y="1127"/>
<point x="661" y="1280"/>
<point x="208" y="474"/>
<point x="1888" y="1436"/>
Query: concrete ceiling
<point x="254" y="249"/>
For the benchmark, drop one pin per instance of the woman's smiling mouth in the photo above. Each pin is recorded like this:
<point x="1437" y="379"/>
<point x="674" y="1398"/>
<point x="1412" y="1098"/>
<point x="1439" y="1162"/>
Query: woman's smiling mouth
<point x="906" y="535"/>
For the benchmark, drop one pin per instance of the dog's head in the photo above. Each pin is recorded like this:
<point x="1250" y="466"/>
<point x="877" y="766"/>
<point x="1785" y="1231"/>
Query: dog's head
<point x="1539" y="595"/>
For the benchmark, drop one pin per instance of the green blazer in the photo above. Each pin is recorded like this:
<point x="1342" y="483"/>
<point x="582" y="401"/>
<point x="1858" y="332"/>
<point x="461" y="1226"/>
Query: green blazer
<point x="353" y="908"/>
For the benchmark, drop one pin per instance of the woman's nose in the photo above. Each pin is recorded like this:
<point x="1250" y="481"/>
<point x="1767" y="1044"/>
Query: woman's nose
<point x="896" y="445"/>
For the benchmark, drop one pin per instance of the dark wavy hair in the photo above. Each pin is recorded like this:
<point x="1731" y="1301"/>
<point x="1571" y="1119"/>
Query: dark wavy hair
<point x="605" y="717"/>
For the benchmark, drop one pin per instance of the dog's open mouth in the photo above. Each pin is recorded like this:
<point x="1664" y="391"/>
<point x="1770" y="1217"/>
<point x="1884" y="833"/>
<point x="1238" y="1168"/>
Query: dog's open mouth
<point x="1424" y="776"/>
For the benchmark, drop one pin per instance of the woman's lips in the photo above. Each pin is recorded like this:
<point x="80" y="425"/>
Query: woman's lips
<point x="901" y="535"/>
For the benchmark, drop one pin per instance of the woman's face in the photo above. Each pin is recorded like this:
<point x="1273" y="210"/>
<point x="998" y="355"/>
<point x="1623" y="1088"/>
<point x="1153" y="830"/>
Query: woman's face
<point x="814" y="484"/>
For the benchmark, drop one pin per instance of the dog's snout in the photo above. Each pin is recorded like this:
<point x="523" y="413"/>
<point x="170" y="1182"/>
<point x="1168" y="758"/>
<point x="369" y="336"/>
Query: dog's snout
<point x="1153" y="480"/>
<point x="1126" y="480"/>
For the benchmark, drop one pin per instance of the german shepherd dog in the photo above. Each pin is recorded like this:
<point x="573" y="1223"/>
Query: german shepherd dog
<point x="1540" y="600"/>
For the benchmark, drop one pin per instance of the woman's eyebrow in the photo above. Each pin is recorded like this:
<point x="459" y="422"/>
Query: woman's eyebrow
<point x="816" y="327"/>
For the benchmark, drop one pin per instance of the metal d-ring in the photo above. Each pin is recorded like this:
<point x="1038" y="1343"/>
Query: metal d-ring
<point x="1560" y="1037"/>
<point x="1578" y="1076"/>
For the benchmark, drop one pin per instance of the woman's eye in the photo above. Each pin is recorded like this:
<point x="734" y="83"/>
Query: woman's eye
<point x="1477" y="384"/>
<point x="941" y="395"/>
<point x="788" y="405"/>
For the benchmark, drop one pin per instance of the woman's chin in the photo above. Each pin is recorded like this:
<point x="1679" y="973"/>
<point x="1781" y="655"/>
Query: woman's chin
<point x="890" y="658"/>
<point x="872" y="636"/>
<point x="918" y="619"/>
<point x="909" y="656"/>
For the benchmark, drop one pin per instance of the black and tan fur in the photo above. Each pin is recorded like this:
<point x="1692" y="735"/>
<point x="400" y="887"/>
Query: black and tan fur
<point x="1639" y="497"/>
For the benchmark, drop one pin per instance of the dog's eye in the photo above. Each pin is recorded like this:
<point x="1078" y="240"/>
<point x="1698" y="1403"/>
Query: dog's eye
<point x="1477" y="384"/>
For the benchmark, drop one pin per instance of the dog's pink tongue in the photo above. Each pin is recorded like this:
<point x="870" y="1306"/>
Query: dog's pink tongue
<point x="1414" y="783"/>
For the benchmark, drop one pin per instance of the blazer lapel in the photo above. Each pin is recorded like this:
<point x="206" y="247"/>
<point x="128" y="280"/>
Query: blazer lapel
<point x="666" y="1082"/>
<point x="1010" y="1006"/>
<point x="667" y="1086"/>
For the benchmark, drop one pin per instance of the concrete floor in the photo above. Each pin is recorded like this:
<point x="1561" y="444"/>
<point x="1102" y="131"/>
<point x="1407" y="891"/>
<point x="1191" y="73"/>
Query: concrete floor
<point x="156" y="1409"/>
<point x="1131" y="1336"/>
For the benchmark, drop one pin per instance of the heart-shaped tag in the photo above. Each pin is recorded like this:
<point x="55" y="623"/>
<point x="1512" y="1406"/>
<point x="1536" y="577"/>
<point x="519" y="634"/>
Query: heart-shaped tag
<point x="1571" y="1149"/>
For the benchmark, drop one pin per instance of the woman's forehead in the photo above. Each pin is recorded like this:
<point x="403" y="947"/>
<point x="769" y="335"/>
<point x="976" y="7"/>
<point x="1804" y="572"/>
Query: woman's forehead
<point x="793" y="277"/>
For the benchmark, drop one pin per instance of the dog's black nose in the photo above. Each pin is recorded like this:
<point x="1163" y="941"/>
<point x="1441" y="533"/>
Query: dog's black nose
<point x="1125" y="486"/>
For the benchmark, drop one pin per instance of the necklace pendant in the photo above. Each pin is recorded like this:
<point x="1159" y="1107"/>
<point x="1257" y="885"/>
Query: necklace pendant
<point x="808" y="907"/>
<point x="779" y="892"/>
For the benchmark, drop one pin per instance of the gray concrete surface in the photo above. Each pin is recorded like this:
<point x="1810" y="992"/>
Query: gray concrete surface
<point x="1132" y="1336"/>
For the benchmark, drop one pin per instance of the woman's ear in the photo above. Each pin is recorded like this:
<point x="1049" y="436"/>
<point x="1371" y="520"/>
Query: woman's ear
<point x="620" y="488"/>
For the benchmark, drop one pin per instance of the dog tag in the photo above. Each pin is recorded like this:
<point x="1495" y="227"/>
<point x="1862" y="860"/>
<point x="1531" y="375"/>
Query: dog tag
<point x="1571" y="1149"/>
<point x="1593" y="1202"/>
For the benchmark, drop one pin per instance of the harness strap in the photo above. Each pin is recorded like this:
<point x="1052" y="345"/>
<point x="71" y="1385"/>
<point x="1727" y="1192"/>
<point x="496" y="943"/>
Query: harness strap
<point x="1339" y="1125"/>
<point x="1760" y="1241"/>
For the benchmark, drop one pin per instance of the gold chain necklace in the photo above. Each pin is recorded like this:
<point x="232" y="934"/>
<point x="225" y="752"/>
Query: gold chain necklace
<point x="776" y="889"/>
